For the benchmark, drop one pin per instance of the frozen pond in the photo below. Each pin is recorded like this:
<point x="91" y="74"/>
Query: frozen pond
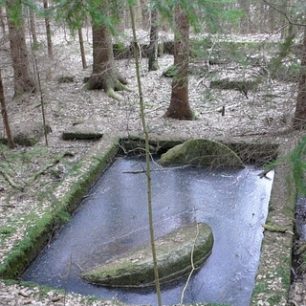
<point x="113" y="219"/>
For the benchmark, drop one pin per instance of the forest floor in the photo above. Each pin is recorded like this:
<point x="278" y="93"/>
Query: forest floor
<point x="264" y="113"/>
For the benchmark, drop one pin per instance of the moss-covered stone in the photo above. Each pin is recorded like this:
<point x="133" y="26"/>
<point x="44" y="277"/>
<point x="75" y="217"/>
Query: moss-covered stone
<point x="27" y="133"/>
<point x="173" y="255"/>
<point x="241" y="85"/>
<point x="201" y="152"/>
<point x="81" y="135"/>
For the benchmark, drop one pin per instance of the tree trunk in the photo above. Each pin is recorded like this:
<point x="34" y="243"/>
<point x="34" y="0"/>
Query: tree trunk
<point x="82" y="50"/>
<point x="22" y="81"/>
<point x="153" y="47"/>
<point x="32" y="27"/>
<point x="244" y="23"/>
<point x="272" y="18"/>
<point x="299" y="121"/>
<point x="2" y="21"/>
<point x="179" y="105"/>
<point x="48" y="29"/>
<point x="145" y="14"/>
<point x="6" y="125"/>
<point x="104" y="75"/>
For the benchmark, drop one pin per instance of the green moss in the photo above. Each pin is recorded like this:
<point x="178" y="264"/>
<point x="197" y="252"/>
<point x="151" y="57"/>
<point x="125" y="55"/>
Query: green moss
<point x="135" y="269"/>
<point x="170" y="72"/>
<point x="274" y="299"/>
<point x="201" y="152"/>
<point x="6" y="230"/>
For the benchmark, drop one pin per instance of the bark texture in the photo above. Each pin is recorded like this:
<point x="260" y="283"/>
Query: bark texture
<point x="32" y="27"/>
<point x="179" y="105"/>
<point x="82" y="50"/>
<point x="299" y="121"/>
<point x="6" y="124"/>
<point x="48" y="29"/>
<point x="2" y="21"/>
<point x="145" y="14"/>
<point x="22" y="80"/>
<point x="244" y="23"/>
<point x="104" y="75"/>
<point x="153" y="47"/>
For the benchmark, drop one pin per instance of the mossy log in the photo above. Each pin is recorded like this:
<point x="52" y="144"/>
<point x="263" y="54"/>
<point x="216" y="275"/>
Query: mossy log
<point x="202" y="152"/>
<point x="173" y="255"/>
<point x="81" y="135"/>
<point x="241" y="85"/>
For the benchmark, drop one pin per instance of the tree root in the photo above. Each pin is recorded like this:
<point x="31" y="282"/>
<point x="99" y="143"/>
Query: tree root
<point x="110" y="82"/>
<point x="112" y="94"/>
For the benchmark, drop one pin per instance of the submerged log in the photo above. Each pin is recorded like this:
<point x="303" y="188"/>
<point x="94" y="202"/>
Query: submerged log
<point x="173" y="255"/>
<point x="202" y="152"/>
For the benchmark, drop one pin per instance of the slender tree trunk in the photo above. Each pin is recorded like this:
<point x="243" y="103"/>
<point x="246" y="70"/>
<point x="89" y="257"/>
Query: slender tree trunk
<point x="244" y="24"/>
<point x="148" y="167"/>
<point x="2" y="21"/>
<point x="6" y="124"/>
<point x="22" y="80"/>
<point x="262" y="17"/>
<point x="153" y="47"/>
<point x="145" y="14"/>
<point x="48" y="29"/>
<point x="299" y="121"/>
<point x="179" y="105"/>
<point x="284" y="21"/>
<point x="104" y="75"/>
<point x="32" y="27"/>
<point x="82" y="50"/>
<point x="272" y="18"/>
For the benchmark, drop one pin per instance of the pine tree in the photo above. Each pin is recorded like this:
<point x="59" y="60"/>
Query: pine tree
<point x="179" y="105"/>
<point x="22" y="80"/>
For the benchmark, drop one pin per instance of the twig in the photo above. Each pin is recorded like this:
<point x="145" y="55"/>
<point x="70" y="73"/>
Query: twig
<point x="192" y="265"/>
<point x="284" y="14"/>
<point x="55" y="162"/>
<point x="263" y="174"/>
<point x="10" y="181"/>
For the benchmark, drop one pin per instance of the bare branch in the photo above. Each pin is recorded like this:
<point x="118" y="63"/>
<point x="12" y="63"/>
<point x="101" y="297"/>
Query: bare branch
<point x="192" y="265"/>
<point x="274" y="7"/>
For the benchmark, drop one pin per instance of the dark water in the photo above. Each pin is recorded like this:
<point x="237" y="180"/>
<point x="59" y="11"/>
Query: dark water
<point x="113" y="219"/>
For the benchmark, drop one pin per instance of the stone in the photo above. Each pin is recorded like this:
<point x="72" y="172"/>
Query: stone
<point x="27" y="133"/>
<point x="201" y="152"/>
<point x="173" y="250"/>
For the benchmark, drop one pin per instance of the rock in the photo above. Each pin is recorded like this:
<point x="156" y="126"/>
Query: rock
<point x="173" y="255"/>
<point x="202" y="152"/>
<point x="27" y="133"/>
